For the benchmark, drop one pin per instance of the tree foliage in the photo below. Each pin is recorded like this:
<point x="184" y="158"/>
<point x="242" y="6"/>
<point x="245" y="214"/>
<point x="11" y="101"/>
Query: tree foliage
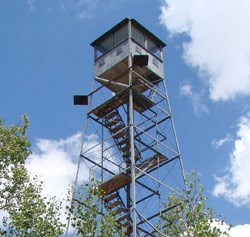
<point x="90" y="217"/>
<point x="27" y="212"/>
<point x="190" y="215"/>
<point x="14" y="150"/>
<point x="34" y="214"/>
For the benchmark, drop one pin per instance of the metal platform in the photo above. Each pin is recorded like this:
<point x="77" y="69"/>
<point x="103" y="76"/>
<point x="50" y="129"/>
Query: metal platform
<point x="117" y="77"/>
<point x="121" y="180"/>
<point x="141" y="103"/>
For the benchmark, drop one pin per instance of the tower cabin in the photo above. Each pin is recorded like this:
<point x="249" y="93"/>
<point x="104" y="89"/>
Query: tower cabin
<point x="128" y="44"/>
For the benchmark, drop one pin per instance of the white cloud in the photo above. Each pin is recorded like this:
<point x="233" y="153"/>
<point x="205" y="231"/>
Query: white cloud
<point x="92" y="149"/>
<point x="235" y="185"/>
<point x="195" y="98"/>
<point x="236" y="231"/>
<point x="218" y="42"/>
<point x="55" y="162"/>
<point x="240" y="231"/>
<point x="218" y="143"/>
<point x="224" y="227"/>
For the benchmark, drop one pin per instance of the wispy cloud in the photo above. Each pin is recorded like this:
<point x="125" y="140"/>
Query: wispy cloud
<point x="31" y="4"/>
<point x="220" y="142"/>
<point x="62" y="6"/>
<point x="217" y="46"/>
<point x="234" y="185"/>
<point x="82" y="9"/>
<point x="86" y="8"/>
<point x="196" y="99"/>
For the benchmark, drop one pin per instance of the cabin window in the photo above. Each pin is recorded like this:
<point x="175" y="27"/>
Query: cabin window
<point x="115" y="38"/>
<point x="137" y="36"/>
<point x="104" y="46"/>
<point x="120" y="35"/>
<point x="153" y="48"/>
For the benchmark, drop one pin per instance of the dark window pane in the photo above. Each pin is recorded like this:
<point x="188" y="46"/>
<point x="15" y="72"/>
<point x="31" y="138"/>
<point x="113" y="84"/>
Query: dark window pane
<point x="153" y="48"/>
<point x="137" y="36"/>
<point x="120" y="35"/>
<point x="105" y="46"/>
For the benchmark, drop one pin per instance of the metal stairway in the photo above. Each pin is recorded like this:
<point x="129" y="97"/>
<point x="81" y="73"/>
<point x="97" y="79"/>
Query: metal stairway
<point x="108" y="113"/>
<point x="119" y="131"/>
<point x="114" y="203"/>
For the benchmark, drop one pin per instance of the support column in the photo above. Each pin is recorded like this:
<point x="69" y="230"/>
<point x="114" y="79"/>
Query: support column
<point x="132" y="142"/>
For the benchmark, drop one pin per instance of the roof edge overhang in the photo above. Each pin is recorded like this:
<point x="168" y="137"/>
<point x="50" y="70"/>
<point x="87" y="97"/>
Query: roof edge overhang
<point x="123" y="23"/>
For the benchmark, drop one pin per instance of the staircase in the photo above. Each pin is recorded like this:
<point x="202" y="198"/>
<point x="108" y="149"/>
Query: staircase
<point x="109" y="114"/>
<point x="114" y="123"/>
<point x="114" y="203"/>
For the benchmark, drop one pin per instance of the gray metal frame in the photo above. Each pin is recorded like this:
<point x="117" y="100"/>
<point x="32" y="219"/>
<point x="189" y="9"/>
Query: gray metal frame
<point x="133" y="150"/>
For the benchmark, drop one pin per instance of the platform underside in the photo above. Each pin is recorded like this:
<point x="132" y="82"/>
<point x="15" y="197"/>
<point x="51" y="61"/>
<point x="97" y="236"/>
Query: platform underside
<point x="141" y="103"/>
<point x="122" y="179"/>
<point x="118" y="75"/>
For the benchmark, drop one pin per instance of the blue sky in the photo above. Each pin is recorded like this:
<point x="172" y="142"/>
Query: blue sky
<point x="46" y="58"/>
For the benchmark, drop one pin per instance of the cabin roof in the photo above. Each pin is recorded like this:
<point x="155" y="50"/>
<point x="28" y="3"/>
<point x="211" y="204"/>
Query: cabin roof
<point x="123" y="23"/>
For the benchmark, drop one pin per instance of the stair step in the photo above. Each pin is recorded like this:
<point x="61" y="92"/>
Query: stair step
<point x="116" y="129"/>
<point x="129" y="230"/>
<point x="120" y="134"/>
<point x="126" y="224"/>
<point x="113" y="122"/>
<point x="114" y="204"/>
<point x="124" y="217"/>
<point x="118" y="210"/>
<point x="124" y="141"/>
<point x="110" y="197"/>
<point x="125" y="148"/>
<point x="111" y="115"/>
<point x="127" y="155"/>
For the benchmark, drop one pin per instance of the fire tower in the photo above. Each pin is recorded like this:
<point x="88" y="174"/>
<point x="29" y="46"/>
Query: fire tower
<point x="129" y="143"/>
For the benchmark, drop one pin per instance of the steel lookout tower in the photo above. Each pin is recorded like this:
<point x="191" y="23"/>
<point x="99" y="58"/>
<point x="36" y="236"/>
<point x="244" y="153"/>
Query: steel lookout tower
<point x="129" y="143"/>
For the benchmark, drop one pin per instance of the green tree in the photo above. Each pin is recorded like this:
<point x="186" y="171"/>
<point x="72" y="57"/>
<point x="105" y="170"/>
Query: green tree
<point x="190" y="216"/>
<point x="28" y="213"/>
<point x="14" y="150"/>
<point x="35" y="215"/>
<point x="88" y="218"/>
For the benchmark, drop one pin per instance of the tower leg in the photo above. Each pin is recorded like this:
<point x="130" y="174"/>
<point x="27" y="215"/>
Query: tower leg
<point x="132" y="142"/>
